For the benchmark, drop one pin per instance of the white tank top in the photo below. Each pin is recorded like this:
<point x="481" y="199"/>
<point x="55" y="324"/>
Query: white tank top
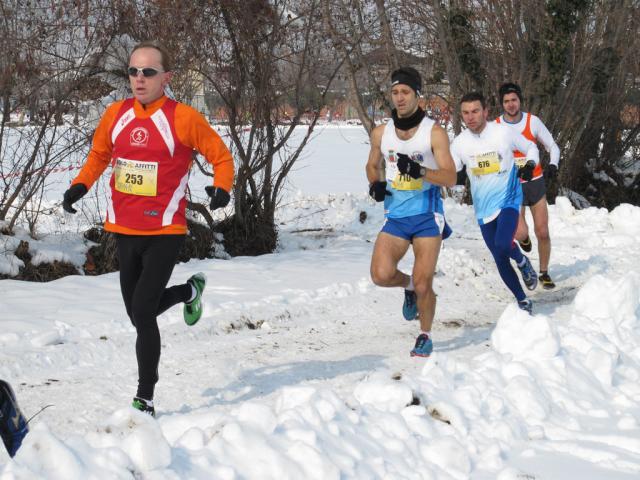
<point x="418" y="147"/>
<point x="409" y="196"/>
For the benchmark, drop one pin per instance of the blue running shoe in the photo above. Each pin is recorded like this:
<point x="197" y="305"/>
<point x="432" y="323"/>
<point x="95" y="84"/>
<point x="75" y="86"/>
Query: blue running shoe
<point x="410" y="305"/>
<point x="526" y="305"/>
<point x="529" y="276"/>
<point x="13" y="424"/>
<point x="424" y="346"/>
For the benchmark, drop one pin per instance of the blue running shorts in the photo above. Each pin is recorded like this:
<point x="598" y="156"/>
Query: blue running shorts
<point x="424" y="225"/>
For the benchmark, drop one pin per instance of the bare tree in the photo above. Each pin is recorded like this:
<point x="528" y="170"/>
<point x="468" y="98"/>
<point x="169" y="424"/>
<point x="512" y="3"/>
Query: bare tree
<point x="575" y="60"/>
<point x="53" y="57"/>
<point x="261" y="62"/>
<point x="261" y="59"/>
<point x="373" y="39"/>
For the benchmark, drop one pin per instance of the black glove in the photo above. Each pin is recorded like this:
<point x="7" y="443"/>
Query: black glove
<point x="219" y="197"/>
<point x="71" y="196"/>
<point x="551" y="172"/>
<point x="378" y="190"/>
<point x="461" y="176"/>
<point x="526" y="171"/>
<point x="408" y="166"/>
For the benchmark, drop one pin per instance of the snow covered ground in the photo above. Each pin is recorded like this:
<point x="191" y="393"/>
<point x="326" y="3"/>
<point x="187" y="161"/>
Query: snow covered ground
<point x="300" y="367"/>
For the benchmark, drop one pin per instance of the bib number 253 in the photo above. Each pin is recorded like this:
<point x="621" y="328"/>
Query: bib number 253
<point x="133" y="179"/>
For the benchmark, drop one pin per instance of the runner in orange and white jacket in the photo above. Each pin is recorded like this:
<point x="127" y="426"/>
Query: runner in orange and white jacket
<point x="162" y="134"/>
<point x="149" y="140"/>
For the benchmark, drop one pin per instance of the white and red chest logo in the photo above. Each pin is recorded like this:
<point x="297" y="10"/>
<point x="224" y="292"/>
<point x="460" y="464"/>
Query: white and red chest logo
<point x="139" y="137"/>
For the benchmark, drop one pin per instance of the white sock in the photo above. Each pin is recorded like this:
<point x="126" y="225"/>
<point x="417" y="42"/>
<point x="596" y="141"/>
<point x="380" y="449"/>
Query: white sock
<point x="410" y="286"/>
<point x="428" y="334"/>
<point x="194" y="292"/>
<point x="149" y="403"/>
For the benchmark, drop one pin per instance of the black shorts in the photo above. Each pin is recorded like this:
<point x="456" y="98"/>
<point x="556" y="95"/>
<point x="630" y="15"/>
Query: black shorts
<point x="533" y="191"/>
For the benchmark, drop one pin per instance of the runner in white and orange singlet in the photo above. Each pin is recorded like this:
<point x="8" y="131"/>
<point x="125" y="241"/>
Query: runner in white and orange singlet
<point x="534" y="191"/>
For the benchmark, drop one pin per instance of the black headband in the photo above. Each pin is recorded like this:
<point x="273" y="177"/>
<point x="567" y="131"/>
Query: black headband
<point x="410" y="79"/>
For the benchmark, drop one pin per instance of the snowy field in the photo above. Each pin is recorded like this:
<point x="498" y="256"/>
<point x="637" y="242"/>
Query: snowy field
<point x="300" y="366"/>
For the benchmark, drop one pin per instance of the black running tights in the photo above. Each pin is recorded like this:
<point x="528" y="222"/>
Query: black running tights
<point x="146" y="263"/>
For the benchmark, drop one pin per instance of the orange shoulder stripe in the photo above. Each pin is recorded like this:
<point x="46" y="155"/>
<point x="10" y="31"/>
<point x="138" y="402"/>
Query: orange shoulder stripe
<point x="527" y="129"/>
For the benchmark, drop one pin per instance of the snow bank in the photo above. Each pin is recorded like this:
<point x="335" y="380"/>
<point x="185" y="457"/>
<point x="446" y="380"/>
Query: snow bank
<point x="547" y="383"/>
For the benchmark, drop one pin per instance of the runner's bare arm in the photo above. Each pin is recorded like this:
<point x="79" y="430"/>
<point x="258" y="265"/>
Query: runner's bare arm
<point x="374" y="168"/>
<point x="445" y="175"/>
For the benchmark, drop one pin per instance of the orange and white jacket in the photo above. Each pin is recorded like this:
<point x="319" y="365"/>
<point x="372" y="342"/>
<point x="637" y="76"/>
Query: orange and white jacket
<point x="150" y="149"/>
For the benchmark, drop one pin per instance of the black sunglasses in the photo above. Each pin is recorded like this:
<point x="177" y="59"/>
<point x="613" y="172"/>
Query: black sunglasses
<point x="146" y="72"/>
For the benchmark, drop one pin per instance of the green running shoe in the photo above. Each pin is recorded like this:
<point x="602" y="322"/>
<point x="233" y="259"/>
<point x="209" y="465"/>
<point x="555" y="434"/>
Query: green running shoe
<point x="193" y="310"/>
<point x="145" y="406"/>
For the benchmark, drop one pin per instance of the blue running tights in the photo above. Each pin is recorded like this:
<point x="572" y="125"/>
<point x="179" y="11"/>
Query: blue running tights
<point x="498" y="235"/>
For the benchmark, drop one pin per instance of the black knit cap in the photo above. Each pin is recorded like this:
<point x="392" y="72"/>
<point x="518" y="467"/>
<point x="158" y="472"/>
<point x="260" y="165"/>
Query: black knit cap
<point x="407" y="76"/>
<point x="509" y="88"/>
